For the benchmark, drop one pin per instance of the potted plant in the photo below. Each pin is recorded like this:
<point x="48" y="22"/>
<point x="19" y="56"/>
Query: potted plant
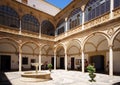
<point x="49" y="67"/>
<point x="91" y="70"/>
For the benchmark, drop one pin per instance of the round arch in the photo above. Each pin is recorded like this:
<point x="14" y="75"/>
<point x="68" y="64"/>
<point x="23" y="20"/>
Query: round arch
<point x="29" y="42"/>
<point x="10" y="39"/>
<point x="71" y="41"/>
<point x="93" y="34"/>
<point x="115" y="34"/>
<point x="59" y="45"/>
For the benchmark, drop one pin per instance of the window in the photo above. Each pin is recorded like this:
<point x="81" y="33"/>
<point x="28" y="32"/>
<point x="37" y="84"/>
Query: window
<point x="96" y="8"/>
<point x="24" y="60"/>
<point x="9" y="17"/>
<point x="75" y="18"/>
<point x="30" y="23"/>
<point x="47" y="28"/>
<point x="116" y="3"/>
<point x="61" y="30"/>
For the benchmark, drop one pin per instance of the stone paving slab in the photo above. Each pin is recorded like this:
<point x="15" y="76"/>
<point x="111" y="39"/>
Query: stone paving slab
<point x="62" y="77"/>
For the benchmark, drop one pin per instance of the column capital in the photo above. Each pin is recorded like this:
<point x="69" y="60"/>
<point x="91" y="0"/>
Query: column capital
<point x="66" y="19"/>
<point x="110" y="46"/>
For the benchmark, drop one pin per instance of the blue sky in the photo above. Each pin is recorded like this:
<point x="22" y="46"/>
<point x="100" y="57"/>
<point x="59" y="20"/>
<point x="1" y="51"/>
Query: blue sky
<point x="59" y="3"/>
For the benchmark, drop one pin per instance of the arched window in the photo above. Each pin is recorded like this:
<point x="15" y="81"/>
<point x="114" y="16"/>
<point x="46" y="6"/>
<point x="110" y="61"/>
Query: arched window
<point x="61" y="26"/>
<point x="70" y="24"/>
<point x="96" y="8"/>
<point x="75" y="18"/>
<point x="47" y="28"/>
<point x="61" y="22"/>
<point x="30" y="23"/>
<point x="116" y="3"/>
<point x="9" y="17"/>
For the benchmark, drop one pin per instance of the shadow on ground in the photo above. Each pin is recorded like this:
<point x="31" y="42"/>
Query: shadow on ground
<point x="118" y="83"/>
<point x="4" y="80"/>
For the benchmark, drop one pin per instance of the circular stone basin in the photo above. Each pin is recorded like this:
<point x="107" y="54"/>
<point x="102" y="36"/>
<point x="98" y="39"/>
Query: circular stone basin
<point x="39" y="75"/>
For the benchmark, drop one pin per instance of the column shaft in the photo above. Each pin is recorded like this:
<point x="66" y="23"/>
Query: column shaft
<point x="110" y="61"/>
<point x="83" y="60"/>
<point x="20" y="60"/>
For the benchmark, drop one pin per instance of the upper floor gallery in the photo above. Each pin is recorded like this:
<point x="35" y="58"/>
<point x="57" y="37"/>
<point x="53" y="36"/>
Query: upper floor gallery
<point x="82" y="15"/>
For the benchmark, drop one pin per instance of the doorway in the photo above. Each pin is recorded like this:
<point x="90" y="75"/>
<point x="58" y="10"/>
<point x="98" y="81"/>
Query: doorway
<point x="52" y="62"/>
<point x="62" y="66"/>
<point x="98" y="61"/>
<point x="5" y="62"/>
<point x="72" y="63"/>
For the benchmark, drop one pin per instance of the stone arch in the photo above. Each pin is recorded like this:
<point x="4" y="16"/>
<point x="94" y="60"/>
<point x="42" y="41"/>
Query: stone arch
<point x="10" y="39"/>
<point x="10" y="47"/>
<point x="93" y="34"/>
<point x="115" y="34"/>
<point x="76" y="40"/>
<point x="30" y="42"/>
<point x="58" y="45"/>
<point x="115" y="42"/>
<point x="97" y="50"/>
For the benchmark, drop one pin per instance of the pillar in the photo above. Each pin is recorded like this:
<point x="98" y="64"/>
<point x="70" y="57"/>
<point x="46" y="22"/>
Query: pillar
<point x="66" y="26"/>
<point x="20" y="28"/>
<point x="40" y="31"/>
<point x="40" y="61"/>
<point x="20" y="59"/>
<point x="54" y="60"/>
<point x="110" y="61"/>
<point x="111" y="8"/>
<point x="83" y="60"/>
<point x="83" y="20"/>
<point x="65" y="59"/>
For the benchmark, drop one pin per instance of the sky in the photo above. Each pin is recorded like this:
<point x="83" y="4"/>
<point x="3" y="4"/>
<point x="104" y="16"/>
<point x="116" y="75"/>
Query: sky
<point x="59" y="3"/>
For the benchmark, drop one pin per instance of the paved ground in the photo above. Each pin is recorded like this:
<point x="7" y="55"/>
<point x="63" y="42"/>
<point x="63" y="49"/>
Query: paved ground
<point x="60" y="77"/>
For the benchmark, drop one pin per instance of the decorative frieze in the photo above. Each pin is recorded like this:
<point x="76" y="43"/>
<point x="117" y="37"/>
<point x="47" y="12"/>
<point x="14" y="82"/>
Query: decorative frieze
<point x="117" y="12"/>
<point x="97" y="21"/>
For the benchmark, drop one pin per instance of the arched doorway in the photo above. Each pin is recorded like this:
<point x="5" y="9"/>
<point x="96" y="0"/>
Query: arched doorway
<point x="97" y="52"/>
<point x="74" y="59"/>
<point x="47" y="54"/>
<point x="8" y="55"/>
<point x="30" y="53"/>
<point x="60" y="57"/>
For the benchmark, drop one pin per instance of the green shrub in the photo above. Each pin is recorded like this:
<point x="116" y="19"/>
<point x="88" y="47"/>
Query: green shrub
<point x="91" y="70"/>
<point x="49" y="67"/>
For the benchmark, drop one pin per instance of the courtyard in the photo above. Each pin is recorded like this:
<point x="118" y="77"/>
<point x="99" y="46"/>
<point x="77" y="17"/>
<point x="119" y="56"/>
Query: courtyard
<point x="59" y="77"/>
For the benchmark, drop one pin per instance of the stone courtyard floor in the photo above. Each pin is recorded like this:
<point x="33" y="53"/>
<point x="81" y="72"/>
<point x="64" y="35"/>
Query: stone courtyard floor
<point x="61" y="77"/>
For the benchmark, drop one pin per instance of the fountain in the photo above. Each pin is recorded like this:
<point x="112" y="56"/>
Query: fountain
<point x="41" y="76"/>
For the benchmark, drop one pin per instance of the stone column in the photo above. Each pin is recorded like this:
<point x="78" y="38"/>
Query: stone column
<point x="40" y="31"/>
<point x="110" y="61"/>
<point x="111" y="8"/>
<point x="40" y="61"/>
<point x="20" y="59"/>
<point x="66" y="26"/>
<point x="83" y="20"/>
<point x="65" y="59"/>
<point x="83" y="60"/>
<point x="20" y="28"/>
<point x="54" y="60"/>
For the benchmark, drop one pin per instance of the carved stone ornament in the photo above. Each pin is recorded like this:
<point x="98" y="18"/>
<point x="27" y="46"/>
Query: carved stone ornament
<point x="110" y="32"/>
